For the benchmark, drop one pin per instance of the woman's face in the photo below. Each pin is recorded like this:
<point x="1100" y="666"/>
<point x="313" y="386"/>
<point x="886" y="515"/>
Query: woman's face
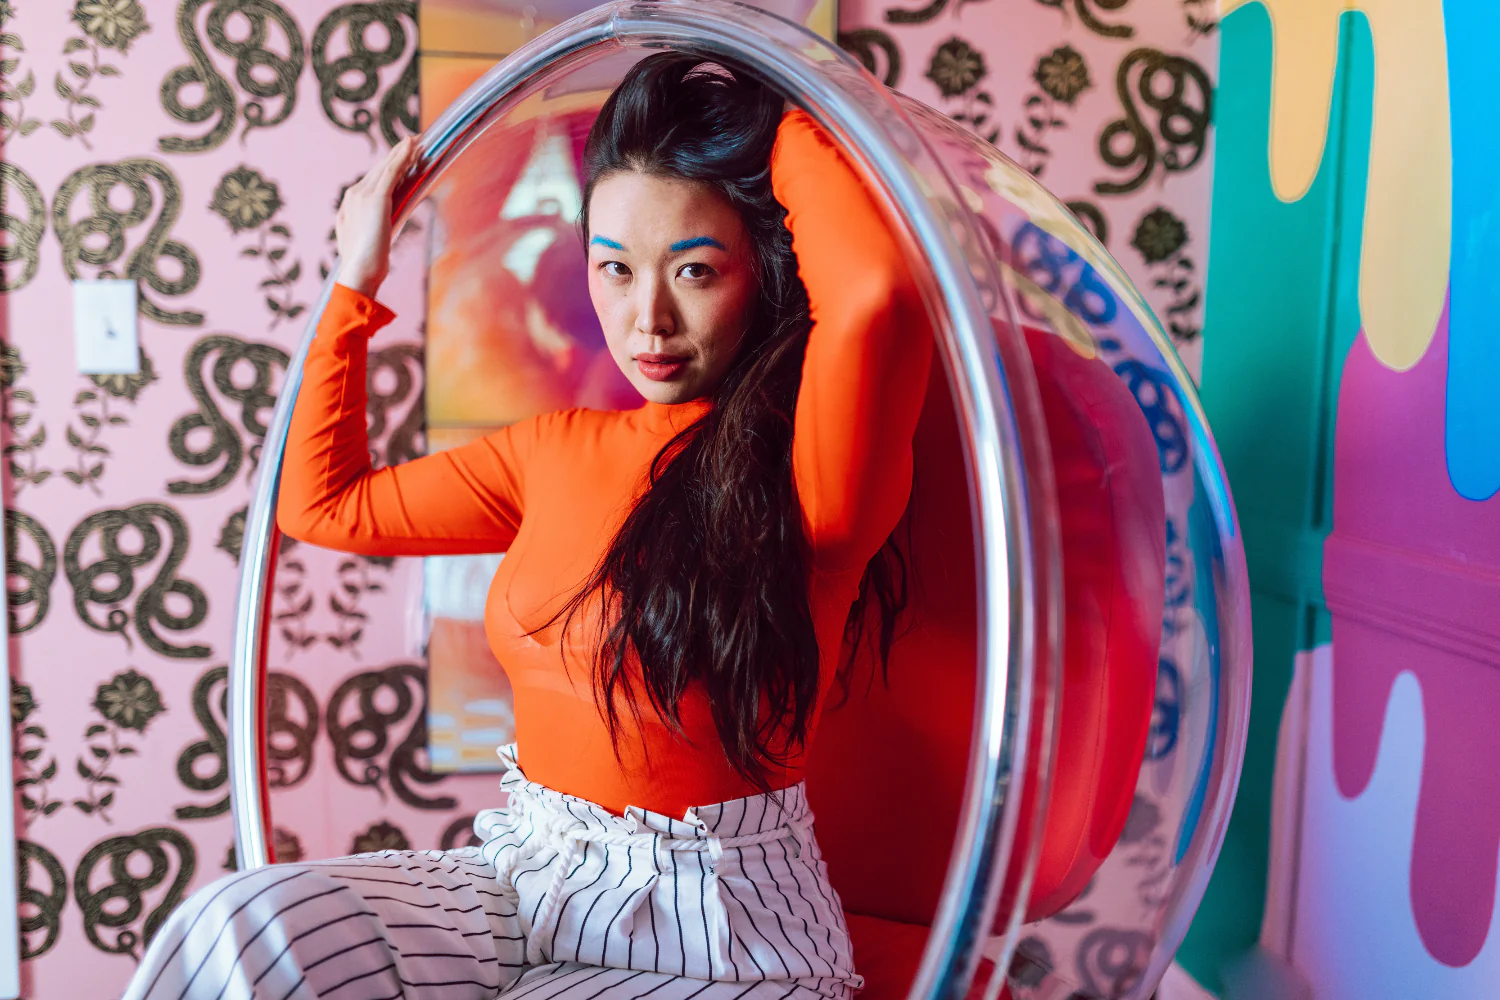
<point x="672" y="278"/>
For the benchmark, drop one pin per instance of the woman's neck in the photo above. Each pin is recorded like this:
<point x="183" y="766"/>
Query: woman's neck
<point x="674" y="417"/>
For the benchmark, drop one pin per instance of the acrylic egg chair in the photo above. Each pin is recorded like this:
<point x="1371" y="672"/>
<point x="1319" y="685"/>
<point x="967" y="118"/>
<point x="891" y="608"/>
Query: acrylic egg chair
<point x="1041" y="783"/>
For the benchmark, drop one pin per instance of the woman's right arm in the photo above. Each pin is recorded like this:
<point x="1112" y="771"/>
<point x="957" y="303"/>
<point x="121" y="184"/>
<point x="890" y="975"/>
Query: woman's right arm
<point x="465" y="500"/>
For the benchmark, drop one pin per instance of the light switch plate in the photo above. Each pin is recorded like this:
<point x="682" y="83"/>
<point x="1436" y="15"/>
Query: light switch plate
<point x="105" y="338"/>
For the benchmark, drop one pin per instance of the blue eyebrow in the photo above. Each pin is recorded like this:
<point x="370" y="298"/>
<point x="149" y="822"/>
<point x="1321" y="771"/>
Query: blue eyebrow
<point x="695" y="242"/>
<point x="605" y="241"/>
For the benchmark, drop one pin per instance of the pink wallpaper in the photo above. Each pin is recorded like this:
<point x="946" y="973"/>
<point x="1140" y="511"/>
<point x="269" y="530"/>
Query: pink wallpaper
<point x="201" y="148"/>
<point x="1109" y="103"/>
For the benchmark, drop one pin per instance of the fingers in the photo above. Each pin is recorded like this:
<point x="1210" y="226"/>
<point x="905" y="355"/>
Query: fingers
<point x="372" y="192"/>
<point x="372" y="180"/>
<point x="395" y="165"/>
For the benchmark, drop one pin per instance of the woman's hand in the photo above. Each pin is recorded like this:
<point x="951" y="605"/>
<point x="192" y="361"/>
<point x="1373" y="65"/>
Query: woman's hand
<point x="364" y="221"/>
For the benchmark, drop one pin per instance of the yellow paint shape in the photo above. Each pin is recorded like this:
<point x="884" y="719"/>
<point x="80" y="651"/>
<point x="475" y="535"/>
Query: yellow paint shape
<point x="1408" y="203"/>
<point x="824" y="19"/>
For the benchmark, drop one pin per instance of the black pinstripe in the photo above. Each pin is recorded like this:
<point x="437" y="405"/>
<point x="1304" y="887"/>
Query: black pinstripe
<point x="677" y="910"/>
<point x="614" y="923"/>
<point x="473" y="924"/>
<point x="177" y="946"/>
<point x="288" y="946"/>
<point x="269" y="924"/>
<point x="761" y="934"/>
<point x="329" y="991"/>
<point x="655" y="941"/>
<point x="708" y="947"/>
<point x="563" y="909"/>
<point x="219" y="934"/>
<point x="807" y="927"/>
<point x="604" y="941"/>
<point x="295" y="987"/>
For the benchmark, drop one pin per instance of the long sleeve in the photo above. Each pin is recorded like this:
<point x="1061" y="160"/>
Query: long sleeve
<point x="865" y="373"/>
<point x="464" y="500"/>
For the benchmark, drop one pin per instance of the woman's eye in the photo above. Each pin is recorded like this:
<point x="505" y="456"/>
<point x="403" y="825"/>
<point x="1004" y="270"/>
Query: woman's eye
<point x="615" y="269"/>
<point x="696" y="271"/>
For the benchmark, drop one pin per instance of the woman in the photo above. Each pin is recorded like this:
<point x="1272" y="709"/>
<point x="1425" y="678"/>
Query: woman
<point x="678" y="585"/>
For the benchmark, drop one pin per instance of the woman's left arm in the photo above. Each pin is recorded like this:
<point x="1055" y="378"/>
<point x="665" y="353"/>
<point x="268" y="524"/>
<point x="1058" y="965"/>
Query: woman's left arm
<point x="868" y="354"/>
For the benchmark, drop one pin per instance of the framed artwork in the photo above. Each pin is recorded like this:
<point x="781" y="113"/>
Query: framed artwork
<point x="510" y="330"/>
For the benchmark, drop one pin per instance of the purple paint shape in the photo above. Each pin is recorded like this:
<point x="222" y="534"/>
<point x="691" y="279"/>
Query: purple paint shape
<point x="1412" y="577"/>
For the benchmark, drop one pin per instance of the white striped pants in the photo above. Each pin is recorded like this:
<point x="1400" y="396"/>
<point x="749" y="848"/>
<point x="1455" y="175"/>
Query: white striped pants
<point x="564" y="901"/>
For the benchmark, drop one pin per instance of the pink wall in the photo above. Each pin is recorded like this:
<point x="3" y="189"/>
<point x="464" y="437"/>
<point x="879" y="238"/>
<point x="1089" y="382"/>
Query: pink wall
<point x="1063" y="87"/>
<point x="121" y="496"/>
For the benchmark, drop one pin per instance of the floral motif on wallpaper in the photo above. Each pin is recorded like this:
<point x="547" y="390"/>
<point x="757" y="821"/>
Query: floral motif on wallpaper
<point x="165" y="143"/>
<point x="125" y="704"/>
<point x="96" y="415"/>
<point x="957" y="70"/>
<point x="24" y="439"/>
<point x="249" y="202"/>
<point x="1061" y="77"/>
<point x="302" y="607"/>
<point x="33" y="777"/>
<point x="102" y="24"/>
<point x="1161" y="238"/>
<point x="14" y="122"/>
<point x="1107" y="101"/>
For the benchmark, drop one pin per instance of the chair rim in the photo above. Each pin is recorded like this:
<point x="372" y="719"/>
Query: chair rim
<point x="877" y="133"/>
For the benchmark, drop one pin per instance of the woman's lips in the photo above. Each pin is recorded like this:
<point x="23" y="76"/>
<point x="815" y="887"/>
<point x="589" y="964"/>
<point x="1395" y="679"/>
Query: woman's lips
<point x="660" y="367"/>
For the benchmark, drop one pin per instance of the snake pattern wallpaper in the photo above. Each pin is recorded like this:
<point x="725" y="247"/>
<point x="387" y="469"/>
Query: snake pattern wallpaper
<point x="200" y="148"/>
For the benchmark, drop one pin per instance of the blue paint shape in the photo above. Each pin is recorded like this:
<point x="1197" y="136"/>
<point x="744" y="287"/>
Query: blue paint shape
<point x="1208" y="563"/>
<point x="605" y="241"/>
<point x="695" y="243"/>
<point x="1472" y="425"/>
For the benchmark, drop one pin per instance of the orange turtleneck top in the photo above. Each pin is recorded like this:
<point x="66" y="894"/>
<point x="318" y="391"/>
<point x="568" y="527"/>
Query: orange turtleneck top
<point x="552" y="491"/>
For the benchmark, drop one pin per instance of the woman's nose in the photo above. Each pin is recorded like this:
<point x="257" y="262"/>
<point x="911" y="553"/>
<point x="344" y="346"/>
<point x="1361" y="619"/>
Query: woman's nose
<point x="653" y="310"/>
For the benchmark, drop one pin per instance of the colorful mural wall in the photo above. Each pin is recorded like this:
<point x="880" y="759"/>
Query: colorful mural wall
<point x="1350" y="383"/>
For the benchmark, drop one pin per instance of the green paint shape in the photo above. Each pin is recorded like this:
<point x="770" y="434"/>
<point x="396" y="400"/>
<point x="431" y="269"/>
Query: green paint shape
<point x="1281" y="312"/>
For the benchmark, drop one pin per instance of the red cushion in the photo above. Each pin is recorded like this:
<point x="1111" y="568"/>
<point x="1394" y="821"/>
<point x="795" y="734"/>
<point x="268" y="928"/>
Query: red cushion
<point x="887" y="775"/>
<point x="1113" y="519"/>
<point x="887" y="953"/>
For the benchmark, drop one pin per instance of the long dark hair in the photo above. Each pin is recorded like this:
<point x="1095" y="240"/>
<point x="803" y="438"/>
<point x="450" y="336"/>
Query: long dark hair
<point x="706" y="581"/>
